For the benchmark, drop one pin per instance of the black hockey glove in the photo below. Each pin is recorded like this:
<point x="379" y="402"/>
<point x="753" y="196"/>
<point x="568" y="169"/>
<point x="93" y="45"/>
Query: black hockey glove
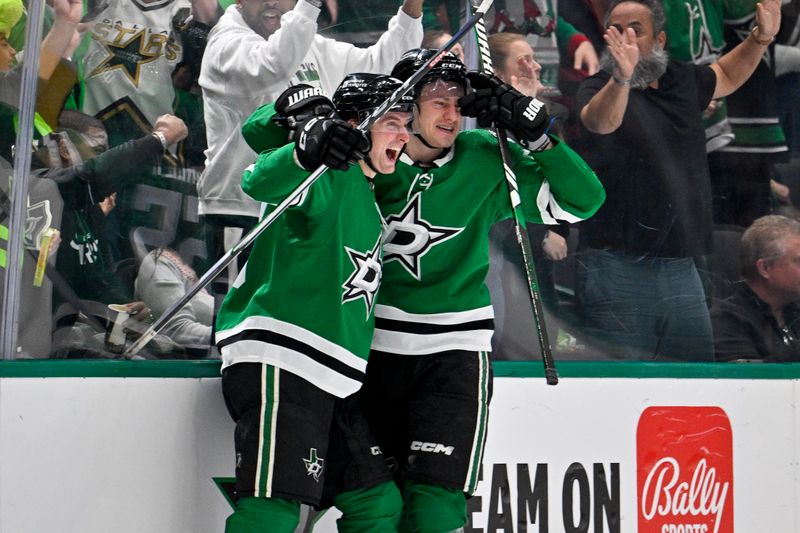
<point x="492" y="101"/>
<point x="332" y="142"/>
<point x="299" y="104"/>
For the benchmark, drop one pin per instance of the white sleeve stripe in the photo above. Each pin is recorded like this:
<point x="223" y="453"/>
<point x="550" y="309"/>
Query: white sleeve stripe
<point x="545" y="200"/>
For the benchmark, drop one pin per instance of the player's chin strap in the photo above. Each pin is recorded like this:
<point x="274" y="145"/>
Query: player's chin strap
<point x="426" y="143"/>
<point x="368" y="161"/>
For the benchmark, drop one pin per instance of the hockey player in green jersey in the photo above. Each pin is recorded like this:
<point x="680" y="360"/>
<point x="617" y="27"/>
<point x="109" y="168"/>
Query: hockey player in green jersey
<point x="295" y="329"/>
<point x="428" y="383"/>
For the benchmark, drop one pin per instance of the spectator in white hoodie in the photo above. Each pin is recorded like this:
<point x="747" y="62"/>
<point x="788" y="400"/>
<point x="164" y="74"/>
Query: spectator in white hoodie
<point x="257" y="49"/>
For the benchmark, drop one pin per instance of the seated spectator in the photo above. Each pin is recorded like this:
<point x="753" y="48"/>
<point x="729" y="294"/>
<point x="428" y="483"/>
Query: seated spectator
<point x="761" y="320"/>
<point x="164" y="277"/>
<point x="74" y="158"/>
<point x="43" y="218"/>
<point x="87" y="177"/>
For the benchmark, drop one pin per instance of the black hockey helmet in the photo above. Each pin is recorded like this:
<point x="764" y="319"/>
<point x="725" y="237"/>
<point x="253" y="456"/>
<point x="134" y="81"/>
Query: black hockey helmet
<point x="360" y="93"/>
<point x="448" y="68"/>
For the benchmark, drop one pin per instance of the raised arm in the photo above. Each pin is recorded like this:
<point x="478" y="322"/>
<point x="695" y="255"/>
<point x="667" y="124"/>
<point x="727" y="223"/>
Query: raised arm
<point x="572" y="42"/>
<point x="206" y="11"/>
<point x="403" y="33"/>
<point x="736" y="66"/>
<point x="242" y="58"/>
<point x="412" y="8"/>
<point x="604" y="112"/>
<point x="67" y="16"/>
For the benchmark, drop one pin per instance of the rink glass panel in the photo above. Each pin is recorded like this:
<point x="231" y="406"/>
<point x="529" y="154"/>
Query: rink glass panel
<point x="63" y="313"/>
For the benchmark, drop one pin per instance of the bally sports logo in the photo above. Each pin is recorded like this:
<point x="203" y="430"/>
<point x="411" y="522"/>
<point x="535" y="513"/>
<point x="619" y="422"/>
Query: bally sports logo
<point x="684" y="470"/>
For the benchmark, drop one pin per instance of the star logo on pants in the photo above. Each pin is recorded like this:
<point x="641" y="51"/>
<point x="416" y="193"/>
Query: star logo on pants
<point x="314" y="464"/>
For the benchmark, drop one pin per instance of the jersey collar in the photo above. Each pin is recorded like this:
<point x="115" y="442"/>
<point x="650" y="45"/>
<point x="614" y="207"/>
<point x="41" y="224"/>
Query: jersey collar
<point x="440" y="162"/>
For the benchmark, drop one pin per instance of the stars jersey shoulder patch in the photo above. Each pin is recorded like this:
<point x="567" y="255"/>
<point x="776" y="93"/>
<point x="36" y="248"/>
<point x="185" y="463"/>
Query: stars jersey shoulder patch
<point x="408" y="237"/>
<point x="366" y="276"/>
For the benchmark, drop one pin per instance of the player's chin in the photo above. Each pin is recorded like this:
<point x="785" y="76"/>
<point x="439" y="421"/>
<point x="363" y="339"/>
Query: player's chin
<point x="444" y="138"/>
<point x="384" y="166"/>
<point x="384" y="163"/>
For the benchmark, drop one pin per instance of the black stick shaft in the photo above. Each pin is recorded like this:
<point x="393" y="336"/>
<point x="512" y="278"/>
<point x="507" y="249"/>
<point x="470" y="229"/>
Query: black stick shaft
<point x="550" y="373"/>
<point x="248" y="239"/>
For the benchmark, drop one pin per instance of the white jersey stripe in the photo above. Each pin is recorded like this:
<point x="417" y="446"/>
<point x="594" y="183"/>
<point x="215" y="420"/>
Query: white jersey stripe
<point x="458" y="317"/>
<point x="254" y="351"/>
<point x="303" y="335"/>
<point x="416" y="344"/>
<point x="755" y="149"/>
<point x="544" y="200"/>
<point x="753" y="121"/>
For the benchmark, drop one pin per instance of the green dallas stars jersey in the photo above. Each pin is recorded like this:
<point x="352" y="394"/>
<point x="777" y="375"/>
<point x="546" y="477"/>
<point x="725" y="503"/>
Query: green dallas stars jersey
<point x="436" y="247"/>
<point x="304" y="300"/>
<point x="695" y="34"/>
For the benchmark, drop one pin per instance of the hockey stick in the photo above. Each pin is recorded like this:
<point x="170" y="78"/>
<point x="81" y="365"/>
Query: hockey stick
<point x="550" y="373"/>
<point x="248" y="239"/>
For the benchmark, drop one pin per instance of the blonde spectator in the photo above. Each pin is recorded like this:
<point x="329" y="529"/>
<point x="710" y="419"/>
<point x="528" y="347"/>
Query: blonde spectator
<point x="515" y="63"/>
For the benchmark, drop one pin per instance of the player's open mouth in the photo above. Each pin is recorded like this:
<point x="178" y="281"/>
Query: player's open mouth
<point x="446" y="129"/>
<point x="392" y="154"/>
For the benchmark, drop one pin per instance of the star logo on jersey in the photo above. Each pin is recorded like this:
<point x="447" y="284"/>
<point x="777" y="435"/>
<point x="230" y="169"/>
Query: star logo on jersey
<point x="707" y="53"/>
<point x="408" y="237"/>
<point x="314" y="464"/>
<point x="127" y="57"/>
<point x="366" y="278"/>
